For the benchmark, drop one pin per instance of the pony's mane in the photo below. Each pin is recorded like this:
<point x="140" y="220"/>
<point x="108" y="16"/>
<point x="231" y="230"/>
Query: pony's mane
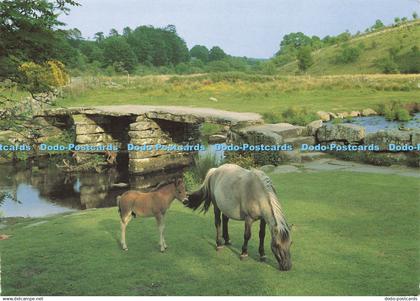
<point x="162" y="184"/>
<point x="274" y="203"/>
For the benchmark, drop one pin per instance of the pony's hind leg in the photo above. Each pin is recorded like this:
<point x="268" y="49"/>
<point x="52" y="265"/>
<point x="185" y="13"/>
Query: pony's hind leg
<point x="225" y="221"/>
<point x="217" y="223"/>
<point x="160" y="220"/>
<point x="247" y="236"/>
<point x="262" y="236"/>
<point x="124" y="222"/>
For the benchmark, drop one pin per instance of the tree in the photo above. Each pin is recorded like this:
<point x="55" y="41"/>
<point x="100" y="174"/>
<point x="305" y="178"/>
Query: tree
<point x="216" y="54"/>
<point x="200" y="52"/>
<point x="127" y="31"/>
<point x="415" y="15"/>
<point x="99" y="36"/>
<point x="113" y="33"/>
<point x="378" y="25"/>
<point x="28" y="31"/>
<point x="304" y="57"/>
<point x="397" y="20"/>
<point x="117" y="50"/>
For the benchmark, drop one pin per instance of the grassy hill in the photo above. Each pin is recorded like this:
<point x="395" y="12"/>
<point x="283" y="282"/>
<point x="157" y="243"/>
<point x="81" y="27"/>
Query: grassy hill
<point x="374" y="46"/>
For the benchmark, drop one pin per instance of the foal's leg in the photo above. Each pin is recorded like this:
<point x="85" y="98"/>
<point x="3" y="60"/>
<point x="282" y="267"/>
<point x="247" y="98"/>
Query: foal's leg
<point x="160" y="219"/>
<point x="217" y="223"/>
<point x="247" y="236"/>
<point x="225" y="221"/>
<point x="124" y="222"/>
<point x="262" y="236"/>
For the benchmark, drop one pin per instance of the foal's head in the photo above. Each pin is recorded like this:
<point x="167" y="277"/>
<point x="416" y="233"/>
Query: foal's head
<point x="280" y="245"/>
<point x="180" y="193"/>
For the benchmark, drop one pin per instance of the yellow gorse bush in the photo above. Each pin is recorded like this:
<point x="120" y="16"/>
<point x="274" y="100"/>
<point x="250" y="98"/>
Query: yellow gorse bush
<point x="41" y="78"/>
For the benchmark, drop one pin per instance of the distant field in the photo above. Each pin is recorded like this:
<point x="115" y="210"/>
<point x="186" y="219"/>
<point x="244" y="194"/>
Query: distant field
<point x="376" y="45"/>
<point x="353" y="234"/>
<point x="242" y="92"/>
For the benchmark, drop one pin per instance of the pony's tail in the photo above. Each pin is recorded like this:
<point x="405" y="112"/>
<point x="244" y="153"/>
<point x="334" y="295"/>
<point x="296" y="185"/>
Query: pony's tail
<point x="118" y="204"/>
<point x="201" y="197"/>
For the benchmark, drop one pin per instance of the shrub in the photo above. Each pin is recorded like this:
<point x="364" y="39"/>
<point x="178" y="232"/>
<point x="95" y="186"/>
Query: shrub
<point x="394" y="111"/>
<point x="42" y="78"/>
<point x="245" y="160"/>
<point x="348" y="54"/>
<point x="270" y="117"/>
<point x="298" y="116"/>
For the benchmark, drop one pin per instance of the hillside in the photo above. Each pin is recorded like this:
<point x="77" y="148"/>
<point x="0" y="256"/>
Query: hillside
<point x="373" y="47"/>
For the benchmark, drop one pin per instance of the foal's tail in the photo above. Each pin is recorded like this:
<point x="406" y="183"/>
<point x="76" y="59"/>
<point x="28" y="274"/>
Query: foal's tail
<point x="202" y="195"/>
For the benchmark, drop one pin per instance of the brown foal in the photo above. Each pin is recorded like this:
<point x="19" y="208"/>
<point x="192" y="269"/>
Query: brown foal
<point x="155" y="203"/>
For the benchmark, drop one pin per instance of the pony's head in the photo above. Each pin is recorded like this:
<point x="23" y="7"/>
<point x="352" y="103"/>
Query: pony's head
<point x="280" y="246"/>
<point x="180" y="192"/>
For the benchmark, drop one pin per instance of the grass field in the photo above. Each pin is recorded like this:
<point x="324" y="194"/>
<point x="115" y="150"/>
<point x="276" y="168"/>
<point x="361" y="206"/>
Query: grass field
<point x="353" y="234"/>
<point x="242" y="92"/>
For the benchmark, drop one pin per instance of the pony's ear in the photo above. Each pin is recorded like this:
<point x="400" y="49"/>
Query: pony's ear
<point x="179" y="181"/>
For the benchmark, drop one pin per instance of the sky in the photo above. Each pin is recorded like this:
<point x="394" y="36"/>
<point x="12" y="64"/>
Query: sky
<point x="251" y="28"/>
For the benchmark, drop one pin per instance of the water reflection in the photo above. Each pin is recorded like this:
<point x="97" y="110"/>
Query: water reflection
<point x="34" y="192"/>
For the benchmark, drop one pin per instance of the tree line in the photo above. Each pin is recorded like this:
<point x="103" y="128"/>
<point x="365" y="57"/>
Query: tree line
<point x="30" y="32"/>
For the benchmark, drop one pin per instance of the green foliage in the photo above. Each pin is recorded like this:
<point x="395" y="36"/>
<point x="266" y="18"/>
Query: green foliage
<point x="216" y="53"/>
<point x="200" y="52"/>
<point x="298" y="116"/>
<point x="305" y="59"/>
<point x="118" y="51"/>
<point x="378" y="25"/>
<point x="245" y="160"/>
<point x="394" y="110"/>
<point x="28" y="33"/>
<point x="208" y="129"/>
<point x="348" y="54"/>
<point x="271" y="117"/>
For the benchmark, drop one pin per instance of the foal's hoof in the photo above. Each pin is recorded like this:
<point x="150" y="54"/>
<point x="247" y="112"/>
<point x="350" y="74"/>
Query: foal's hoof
<point x="125" y="248"/>
<point x="243" y="256"/>
<point x="263" y="258"/>
<point x="162" y="250"/>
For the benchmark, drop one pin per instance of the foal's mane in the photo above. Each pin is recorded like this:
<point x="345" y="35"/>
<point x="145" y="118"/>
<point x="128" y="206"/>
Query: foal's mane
<point x="276" y="209"/>
<point x="163" y="184"/>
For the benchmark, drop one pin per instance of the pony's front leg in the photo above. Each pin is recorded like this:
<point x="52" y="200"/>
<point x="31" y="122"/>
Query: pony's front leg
<point x="262" y="236"/>
<point x="217" y="223"/>
<point x="225" y="221"/>
<point x="160" y="220"/>
<point x="247" y="236"/>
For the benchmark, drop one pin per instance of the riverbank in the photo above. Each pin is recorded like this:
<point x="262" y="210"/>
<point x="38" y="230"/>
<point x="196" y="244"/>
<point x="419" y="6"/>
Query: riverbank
<point x="353" y="234"/>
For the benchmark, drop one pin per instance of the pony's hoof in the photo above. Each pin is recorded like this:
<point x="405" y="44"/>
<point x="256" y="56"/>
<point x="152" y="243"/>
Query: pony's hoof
<point x="243" y="256"/>
<point x="263" y="258"/>
<point x="218" y="248"/>
<point x="125" y="248"/>
<point x="228" y="243"/>
<point x="162" y="250"/>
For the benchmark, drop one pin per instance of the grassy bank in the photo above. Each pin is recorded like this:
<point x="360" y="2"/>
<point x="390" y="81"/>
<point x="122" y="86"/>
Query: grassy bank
<point x="242" y="92"/>
<point x="353" y="234"/>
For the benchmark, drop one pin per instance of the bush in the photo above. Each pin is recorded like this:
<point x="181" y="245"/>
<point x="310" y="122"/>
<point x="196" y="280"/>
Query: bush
<point x="245" y="160"/>
<point x="348" y="54"/>
<point x="42" y="78"/>
<point x="270" y="117"/>
<point x="394" y="111"/>
<point x="298" y="116"/>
